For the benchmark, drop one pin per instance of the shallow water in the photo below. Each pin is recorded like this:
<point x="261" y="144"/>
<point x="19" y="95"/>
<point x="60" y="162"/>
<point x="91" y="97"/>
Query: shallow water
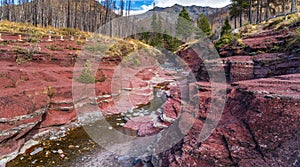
<point x="78" y="147"/>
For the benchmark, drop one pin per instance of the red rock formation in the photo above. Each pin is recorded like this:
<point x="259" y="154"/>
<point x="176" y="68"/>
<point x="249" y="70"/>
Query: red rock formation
<point x="260" y="122"/>
<point x="259" y="126"/>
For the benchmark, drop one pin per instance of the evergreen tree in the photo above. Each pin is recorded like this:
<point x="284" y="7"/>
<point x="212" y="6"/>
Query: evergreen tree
<point x="234" y="13"/>
<point x="184" y="24"/>
<point x="154" y="24"/>
<point x="185" y="14"/>
<point x="204" y="25"/>
<point x="226" y="28"/>
<point x="159" y="24"/>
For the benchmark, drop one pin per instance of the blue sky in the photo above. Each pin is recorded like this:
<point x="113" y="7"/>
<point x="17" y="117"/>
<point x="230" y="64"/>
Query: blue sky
<point x="141" y="6"/>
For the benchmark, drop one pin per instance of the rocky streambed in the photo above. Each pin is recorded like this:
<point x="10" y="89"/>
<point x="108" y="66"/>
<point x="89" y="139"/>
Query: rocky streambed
<point x="74" y="146"/>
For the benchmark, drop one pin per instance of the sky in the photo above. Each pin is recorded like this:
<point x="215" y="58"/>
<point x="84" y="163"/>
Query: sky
<point x="141" y="6"/>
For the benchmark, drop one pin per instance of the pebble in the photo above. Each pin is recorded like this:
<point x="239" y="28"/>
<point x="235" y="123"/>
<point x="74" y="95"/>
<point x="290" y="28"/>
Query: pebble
<point x="130" y="111"/>
<point x="126" y="119"/>
<point x="110" y="128"/>
<point x="124" y="158"/>
<point x="62" y="155"/>
<point x="37" y="150"/>
<point x="33" y="162"/>
<point x="60" y="151"/>
<point x="71" y="146"/>
<point x="47" y="153"/>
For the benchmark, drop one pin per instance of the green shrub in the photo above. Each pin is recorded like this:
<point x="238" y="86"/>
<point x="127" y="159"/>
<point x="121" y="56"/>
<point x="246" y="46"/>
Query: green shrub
<point x="26" y="54"/>
<point x="226" y="28"/>
<point x="248" y="29"/>
<point x="293" y="21"/>
<point x="4" y="43"/>
<point x="50" y="92"/>
<point x="68" y="31"/>
<point x="79" y="42"/>
<point x="97" y="48"/>
<point x="225" y="40"/>
<point x="293" y="42"/>
<point x="86" y="74"/>
<point x="275" y="49"/>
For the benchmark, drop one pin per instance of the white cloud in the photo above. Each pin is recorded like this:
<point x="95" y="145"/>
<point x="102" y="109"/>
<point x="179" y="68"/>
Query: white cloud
<point x="144" y="9"/>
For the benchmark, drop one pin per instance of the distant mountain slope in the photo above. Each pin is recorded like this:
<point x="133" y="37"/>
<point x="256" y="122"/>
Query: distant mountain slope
<point x="194" y="11"/>
<point x="216" y="16"/>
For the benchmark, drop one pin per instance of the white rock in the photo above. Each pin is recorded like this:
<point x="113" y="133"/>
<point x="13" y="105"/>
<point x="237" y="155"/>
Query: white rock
<point x="37" y="150"/>
<point x="60" y="151"/>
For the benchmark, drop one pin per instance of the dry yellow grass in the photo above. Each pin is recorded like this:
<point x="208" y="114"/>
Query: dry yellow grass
<point x="28" y="29"/>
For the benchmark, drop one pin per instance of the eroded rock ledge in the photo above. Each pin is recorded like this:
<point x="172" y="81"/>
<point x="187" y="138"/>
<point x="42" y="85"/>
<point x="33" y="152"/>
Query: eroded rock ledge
<point x="259" y="127"/>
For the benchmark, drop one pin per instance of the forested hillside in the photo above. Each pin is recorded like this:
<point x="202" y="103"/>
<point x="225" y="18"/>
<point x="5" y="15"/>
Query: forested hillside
<point x="260" y="10"/>
<point x="87" y="15"/>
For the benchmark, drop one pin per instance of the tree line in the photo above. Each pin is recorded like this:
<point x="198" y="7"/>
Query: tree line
<point x="85" y="15"/>
<point x="259" y="10"/>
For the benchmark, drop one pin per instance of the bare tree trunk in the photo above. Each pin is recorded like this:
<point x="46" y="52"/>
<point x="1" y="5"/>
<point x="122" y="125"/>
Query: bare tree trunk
<point x="292" y="5"/>
<point x="257" y="11"/>
<point x="283" y="6"/>
<point x="260" y="10"/>
<point x="250" y="12"/>
<point x="241" y="18"/>
<point x="235" y="22"/>
<point x="267" y="10"/>
<point x="68" y="14"/>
